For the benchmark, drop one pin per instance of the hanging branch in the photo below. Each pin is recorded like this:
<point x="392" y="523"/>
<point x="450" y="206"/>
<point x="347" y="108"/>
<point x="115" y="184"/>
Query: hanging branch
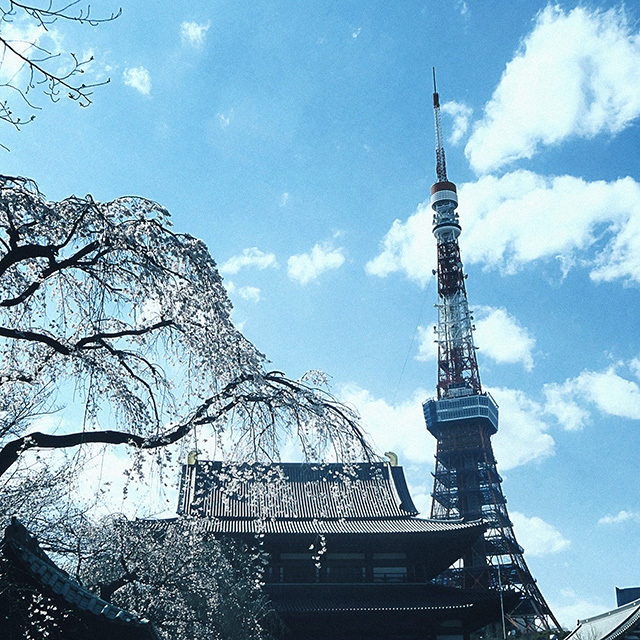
<point x="105" y="297"/>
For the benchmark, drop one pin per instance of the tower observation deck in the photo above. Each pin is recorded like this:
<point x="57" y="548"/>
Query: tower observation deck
<point x="463" y="418"/>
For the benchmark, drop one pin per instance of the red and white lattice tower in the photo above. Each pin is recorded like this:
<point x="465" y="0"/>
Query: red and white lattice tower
<point x="463" y="418"/>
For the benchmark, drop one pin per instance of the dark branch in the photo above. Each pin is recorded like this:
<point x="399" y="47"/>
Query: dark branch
<point x="100" y="337"/>
<point x="32" y="336"/>
<point x="72" y="261"/>
<point x="12" y="450"/>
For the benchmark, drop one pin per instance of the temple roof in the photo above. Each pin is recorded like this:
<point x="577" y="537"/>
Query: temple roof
<point x="304" y="498"/>
<point x="105" y="619"/>
<point x="622" y="623"/>
<point x="393" y="611"/>
<point x="375" y="597"/>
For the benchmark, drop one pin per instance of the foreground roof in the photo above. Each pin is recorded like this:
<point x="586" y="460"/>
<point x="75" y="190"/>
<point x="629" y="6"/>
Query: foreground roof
<point x="304" y="498"/>
<point x="622" y="623"/>
<point x="92" y="613"/>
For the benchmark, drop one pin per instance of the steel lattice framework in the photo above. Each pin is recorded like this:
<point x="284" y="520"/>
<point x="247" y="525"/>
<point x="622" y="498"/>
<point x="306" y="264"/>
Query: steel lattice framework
<point x="467" y="485"/>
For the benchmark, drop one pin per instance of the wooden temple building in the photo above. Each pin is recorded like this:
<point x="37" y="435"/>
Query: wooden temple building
<point x="348" y="556"/>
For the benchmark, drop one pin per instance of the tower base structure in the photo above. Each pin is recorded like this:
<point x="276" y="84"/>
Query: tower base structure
<point x="467" y="487"/>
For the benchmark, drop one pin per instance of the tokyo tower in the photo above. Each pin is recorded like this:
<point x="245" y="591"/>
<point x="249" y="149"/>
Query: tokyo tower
<point x="463" y="418"/>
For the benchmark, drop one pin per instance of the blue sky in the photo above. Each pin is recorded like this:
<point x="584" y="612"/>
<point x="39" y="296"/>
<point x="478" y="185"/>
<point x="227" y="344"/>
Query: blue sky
<point x="296" y="139"/>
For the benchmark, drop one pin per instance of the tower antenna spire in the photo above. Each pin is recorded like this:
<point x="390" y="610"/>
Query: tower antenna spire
<point x="463" y="418"/>
<point x="457" y="365"/>
<point x="441" y="165"/>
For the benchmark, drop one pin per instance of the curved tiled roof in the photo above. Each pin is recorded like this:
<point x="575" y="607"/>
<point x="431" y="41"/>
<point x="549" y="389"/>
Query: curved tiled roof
<point x="622" y="623"/>
<point x="294" y="498"/>
<point x="22" y="546"/>
<point x="292" y="490"/>
<point x="317" y="526"/>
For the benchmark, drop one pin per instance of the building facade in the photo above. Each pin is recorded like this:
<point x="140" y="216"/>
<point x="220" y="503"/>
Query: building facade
<point x="347" y="555"/>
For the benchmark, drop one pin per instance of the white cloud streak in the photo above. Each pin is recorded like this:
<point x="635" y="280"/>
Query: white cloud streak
<point x="522" y="437"/>
<point x="399" y="428"/>
<point x="461" y="115"/>
<point x="305" y="267"/>
<point x="522" y="217"/>
<point x="224" y="120"/>
<point x="538" y="537"/>
<point x="620" y="517"/>
<point x="611" y="393"/>
<point x="138" y="78"/>
<point x="576" y="74"/>
<point x="193" y="33"/>
<point x="251" y="258"/>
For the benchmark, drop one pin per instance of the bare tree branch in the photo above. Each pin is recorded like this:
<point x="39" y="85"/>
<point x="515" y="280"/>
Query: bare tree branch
<point x="36" y="62"/>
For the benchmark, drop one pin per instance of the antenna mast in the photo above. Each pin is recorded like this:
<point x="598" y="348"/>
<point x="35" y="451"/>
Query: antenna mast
<point x="458" y="373"/>
<point x="441" y="165"/>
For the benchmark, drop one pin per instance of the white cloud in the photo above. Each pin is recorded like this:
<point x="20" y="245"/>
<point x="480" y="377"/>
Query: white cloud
<point x="502" y="339"/>
<point x="421" y="496"/>
<point x="193" y="33"/>
<point x="498" y="335"/>
<point x="522" y="217"/>
<point x="522" y="436"/>
<point x="607" y="390"/>
<point x="566" y="410"/>
<point x="461" y="115"/>
<point x="139" y="79"/>
<point x="24" y="39"/>
<point x="572" y="608"/>
<point x="622" y="516"/>
<point x="427" y="345"/>
<point x="109" y="483"/>
<point x="284" y="198"/>
<point x="399" y="428"/>
<point x="252" y="258"/>
<point x="408" y="247"/>
<point x="224" y="120"/>
<point x="306" y="267"/>
<point x="576" y="74"/>
<point x="538" y="537"/>
<point x="251" y="294"/>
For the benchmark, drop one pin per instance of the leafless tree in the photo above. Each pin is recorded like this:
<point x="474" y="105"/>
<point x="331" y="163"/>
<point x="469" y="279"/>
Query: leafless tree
<point x="28" y="64"/>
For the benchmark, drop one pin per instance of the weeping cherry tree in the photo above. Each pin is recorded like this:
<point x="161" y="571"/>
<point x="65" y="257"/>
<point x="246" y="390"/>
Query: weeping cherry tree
<point x="105" y="304"/>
